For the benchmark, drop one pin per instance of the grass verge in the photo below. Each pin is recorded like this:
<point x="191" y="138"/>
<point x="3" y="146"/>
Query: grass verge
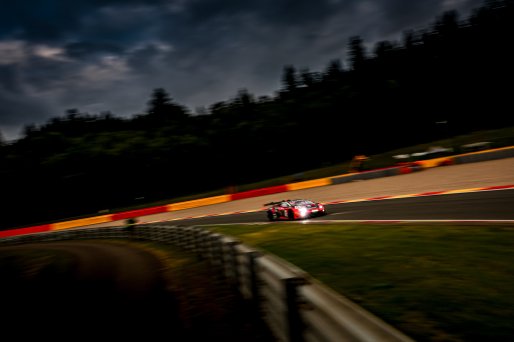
<point x="434" y="282"/>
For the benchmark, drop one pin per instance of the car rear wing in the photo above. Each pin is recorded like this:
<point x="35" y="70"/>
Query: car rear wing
<point x="273" y="203"/>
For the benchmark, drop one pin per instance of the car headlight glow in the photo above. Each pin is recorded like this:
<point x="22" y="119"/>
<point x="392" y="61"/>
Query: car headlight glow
<point x="303" y="211"/>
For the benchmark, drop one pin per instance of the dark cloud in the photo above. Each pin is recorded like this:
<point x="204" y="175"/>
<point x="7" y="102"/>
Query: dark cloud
<point x="86" y="49"/>
<point x="108" y="55"/>
<point x="17" y="111"/>
<point x="46" y="20"/>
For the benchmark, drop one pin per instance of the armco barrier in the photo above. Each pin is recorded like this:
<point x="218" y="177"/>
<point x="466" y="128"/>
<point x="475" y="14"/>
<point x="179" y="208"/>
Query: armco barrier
<point x="309" y="184"/>
<point x="23" y="231"/>
<point x="198" y="203"/>
<point x="344" y="178"/>
<point x="377" y="173"/>
<point x="81" y="222"/>
<point x="259" y="192"/>
<point x="391" y="171"/>
<point x="473" y="157"/>
<point x="295" y="306"/>
<point x="442" y="161"/>
<point x="139" y="212"/>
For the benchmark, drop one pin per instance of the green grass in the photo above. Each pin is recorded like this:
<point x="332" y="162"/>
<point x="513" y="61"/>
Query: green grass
<point x="434" y="282"/>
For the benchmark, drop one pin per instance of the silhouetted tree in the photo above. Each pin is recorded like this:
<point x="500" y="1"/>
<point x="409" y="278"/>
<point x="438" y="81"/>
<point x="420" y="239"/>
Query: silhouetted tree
<point x="357" y="53"/>
<point x="334" y="71"/>
<point x="29" y="130"/>
<point x="309" y="78"/>
<point x="289" y="78"/>
<point x="162" y="107"/>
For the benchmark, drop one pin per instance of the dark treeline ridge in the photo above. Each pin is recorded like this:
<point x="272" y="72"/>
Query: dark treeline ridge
<point x="458" y="71"/>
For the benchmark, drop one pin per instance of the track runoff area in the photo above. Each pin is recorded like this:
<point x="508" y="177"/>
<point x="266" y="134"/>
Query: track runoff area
<point x="480" y="205"/>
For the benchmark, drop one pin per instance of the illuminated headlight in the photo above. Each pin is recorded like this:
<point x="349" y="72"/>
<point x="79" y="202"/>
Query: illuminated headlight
<point x="303" y="211"/>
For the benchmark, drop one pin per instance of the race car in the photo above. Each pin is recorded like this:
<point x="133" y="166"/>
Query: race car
<point x="294" y="209"/>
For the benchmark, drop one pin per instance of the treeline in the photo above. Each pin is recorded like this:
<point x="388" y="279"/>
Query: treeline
<point x="456" y="71"/>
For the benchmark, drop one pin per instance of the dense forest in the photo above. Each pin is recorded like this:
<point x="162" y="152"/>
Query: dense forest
<point x="458" y="71"/>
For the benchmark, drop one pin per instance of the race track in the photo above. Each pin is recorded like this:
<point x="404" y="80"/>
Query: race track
<point x="483" y="205"/>
<point x="465" y="177"/>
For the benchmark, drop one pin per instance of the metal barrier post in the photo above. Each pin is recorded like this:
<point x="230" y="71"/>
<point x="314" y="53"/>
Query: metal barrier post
<point x="294" y="319"/>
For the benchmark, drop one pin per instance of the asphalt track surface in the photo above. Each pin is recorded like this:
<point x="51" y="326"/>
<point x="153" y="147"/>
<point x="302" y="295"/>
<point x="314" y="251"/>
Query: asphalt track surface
<point x="483" y="205"/>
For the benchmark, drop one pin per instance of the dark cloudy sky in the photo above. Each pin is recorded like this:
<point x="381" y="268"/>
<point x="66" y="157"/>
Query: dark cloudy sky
<point x="108" y="55"/>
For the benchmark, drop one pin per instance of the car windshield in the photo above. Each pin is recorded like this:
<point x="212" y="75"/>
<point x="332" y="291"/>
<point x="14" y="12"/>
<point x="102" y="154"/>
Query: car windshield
<point x="302" y="202"/>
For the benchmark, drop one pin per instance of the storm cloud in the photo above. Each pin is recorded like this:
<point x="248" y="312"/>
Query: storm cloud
<point x="108" y="55"/>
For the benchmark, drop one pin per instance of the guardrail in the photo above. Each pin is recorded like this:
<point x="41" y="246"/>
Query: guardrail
<point x="295" y="306"/>
<point x="479" y="156"/>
